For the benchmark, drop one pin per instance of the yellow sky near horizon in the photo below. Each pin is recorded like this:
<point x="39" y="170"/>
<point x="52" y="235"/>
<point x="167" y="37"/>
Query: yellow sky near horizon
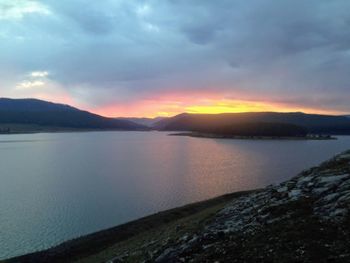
<point x="152" y="109"/>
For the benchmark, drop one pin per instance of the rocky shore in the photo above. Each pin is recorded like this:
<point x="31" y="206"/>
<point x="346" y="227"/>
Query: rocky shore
<point x="305" y="219"/>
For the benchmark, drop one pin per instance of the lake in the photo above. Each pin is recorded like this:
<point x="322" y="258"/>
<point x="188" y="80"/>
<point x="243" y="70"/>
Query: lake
<point x="58" y="186"/>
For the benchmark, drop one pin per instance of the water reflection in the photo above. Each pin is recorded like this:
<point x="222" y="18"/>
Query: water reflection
<point x="58" y="186"/>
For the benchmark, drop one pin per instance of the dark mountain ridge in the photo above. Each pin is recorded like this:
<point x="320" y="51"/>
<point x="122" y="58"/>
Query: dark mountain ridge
<point x="48" y="114"/>
<point x="313" y="123"/>
<point x="255" y="129"/>
<point x="7" y="104"/>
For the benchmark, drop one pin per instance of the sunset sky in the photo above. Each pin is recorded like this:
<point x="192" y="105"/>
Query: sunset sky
<point x="160" y="58"/>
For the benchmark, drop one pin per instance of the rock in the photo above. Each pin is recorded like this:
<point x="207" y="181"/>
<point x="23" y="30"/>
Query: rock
<point x="295" y="193"/>
<point x="164" y="257"/>
<point x="320" y="195"/>
<point x="184" y="238"/>
<point x="330" y="197"/>
<point x="332" y="179"/>
<point x="282" y="189"/>
<point x="339" y="212"/>
<point x="319" y="190"/>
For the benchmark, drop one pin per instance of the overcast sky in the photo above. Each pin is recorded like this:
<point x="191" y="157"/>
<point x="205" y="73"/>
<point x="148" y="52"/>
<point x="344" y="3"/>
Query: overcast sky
<point x="128" y="57"/>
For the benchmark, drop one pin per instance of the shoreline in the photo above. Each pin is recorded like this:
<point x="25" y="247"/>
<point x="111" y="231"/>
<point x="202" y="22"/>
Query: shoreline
<point x="176" y="233"/>
<point x="95" y="242"/>
<point x="69" y="131"/>
<point x="237" y="137"/>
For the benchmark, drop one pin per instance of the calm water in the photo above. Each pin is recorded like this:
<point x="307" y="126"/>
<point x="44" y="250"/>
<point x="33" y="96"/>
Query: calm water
<point x="55" y="187"/>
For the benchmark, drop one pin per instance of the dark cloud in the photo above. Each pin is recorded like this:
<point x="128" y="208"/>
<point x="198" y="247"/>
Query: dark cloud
<point x="273" y="49"/>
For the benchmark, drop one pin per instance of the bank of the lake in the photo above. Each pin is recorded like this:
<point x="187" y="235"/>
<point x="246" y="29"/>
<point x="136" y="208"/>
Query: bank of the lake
<point x="305" y="219"/>
<point x="253" y="137"/>
<point x="14" y="129"/>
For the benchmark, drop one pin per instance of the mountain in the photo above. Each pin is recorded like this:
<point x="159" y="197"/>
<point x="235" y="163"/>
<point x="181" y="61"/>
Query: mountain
<point x="149" y="122"/>
<point x="33" y="112"/>
<point x="313" y="123"/>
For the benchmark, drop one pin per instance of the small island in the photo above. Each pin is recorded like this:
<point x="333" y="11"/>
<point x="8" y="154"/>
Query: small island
<point x="255" y="131"/>
<point x="254" y="137"/>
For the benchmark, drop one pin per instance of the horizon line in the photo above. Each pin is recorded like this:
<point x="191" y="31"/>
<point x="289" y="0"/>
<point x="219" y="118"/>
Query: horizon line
<point x="185" y="112"/>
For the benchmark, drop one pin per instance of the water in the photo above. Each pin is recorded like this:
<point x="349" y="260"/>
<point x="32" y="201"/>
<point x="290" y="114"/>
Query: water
<point x="58" y="186"/>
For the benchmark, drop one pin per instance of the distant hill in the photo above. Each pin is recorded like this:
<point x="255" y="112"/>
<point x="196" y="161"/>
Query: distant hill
<point x="33" y="112"/>
<point x="149" y="122"/>
<point x="255" y="129"/>
<point x="313" y="123"/>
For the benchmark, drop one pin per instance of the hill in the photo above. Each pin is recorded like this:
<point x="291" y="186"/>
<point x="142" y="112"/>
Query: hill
<point x="254" y="129"/>
<point x="33" y="114"/>
<point x="313" y="123"/>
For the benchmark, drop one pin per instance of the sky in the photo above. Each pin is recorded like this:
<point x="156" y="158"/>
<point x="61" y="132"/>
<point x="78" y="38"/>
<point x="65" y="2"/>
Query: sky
<point x="160" y="58"/>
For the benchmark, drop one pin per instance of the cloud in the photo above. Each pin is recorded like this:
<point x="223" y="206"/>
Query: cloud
<point x="110" y="52"/>
<point x="40" y="74"/>
<point x="17" y="9"/>
<point x="30" y="84"/>
<point x="33" y="79"/>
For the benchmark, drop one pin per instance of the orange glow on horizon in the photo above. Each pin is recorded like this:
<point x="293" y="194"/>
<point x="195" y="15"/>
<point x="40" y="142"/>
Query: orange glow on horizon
<point x="168" y="108"/>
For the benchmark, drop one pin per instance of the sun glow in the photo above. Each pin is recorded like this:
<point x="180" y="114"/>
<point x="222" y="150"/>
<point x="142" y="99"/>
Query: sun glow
<point x="230" y="106"/>
<point x="237" y="106"/>
<point x="168" y="108"/>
